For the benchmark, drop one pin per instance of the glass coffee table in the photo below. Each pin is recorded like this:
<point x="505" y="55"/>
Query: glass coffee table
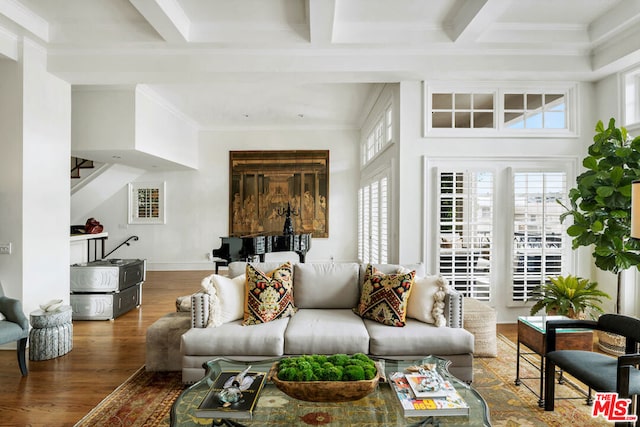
<point x="274" y="408"/>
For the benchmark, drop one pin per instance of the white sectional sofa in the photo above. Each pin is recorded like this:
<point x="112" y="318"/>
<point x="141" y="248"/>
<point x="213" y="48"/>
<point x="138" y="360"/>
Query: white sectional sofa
<point x="325" y="323"/>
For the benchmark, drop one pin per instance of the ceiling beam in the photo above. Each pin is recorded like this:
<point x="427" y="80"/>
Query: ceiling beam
<point x="167" y="17"/>
<point x="24" y="17"/>
<point x="8" y="44"/>
<point x="618" y="52"/>
<point x="321" y="16"/>
<point x="472" y="18"/>
<point x="355" y="66"/>
<point x="616" y="20"/>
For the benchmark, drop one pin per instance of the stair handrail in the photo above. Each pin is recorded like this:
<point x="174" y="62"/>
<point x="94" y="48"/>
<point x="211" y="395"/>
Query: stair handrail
<point x="79" y="164"/>
<point x="126" y="242"/>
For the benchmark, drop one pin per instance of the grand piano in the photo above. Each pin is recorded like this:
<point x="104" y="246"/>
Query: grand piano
<point x="244" y="248"/>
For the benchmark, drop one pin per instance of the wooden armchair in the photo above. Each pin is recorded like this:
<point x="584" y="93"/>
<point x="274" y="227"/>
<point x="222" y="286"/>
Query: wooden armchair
<point x="601" y="372"/>
<point x="14" y="327"/>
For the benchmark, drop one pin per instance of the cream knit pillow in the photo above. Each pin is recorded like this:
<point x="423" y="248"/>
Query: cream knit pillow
<point x="226" y="298"/>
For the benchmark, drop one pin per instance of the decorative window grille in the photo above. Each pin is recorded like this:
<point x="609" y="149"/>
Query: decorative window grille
<point x="465" y="212"/>
<point x="538" y="237"/>
<point x="373" y="240"/>
<point x="535" y="111"/>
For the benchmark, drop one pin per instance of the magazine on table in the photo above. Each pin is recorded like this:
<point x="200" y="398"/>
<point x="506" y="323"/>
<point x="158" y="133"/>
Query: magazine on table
<point x="220" y="401"/>
<point x="428" y="385"/>
<point x="450" y="403"/>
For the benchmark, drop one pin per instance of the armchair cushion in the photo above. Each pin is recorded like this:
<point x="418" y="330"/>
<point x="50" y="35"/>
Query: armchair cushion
<point x="594" y="369"/>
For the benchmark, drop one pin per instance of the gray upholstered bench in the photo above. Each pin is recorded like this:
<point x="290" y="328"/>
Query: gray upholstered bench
<point x="163" y="342"/>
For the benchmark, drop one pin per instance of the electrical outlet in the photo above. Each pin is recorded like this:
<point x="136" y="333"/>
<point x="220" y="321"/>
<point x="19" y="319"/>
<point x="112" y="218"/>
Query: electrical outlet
<point x="5" y="248"/>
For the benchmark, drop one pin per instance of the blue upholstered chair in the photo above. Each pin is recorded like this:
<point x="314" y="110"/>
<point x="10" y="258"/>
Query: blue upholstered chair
<point x="598" y="371"/>
<point x="15" y="327"/>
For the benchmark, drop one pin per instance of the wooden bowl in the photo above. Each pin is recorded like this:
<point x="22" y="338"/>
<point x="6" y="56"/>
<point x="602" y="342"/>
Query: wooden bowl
<point x="324" y="391"/>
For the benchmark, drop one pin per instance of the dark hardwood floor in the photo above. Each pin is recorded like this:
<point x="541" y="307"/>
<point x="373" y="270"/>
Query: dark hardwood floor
<point x="60" y="391"/>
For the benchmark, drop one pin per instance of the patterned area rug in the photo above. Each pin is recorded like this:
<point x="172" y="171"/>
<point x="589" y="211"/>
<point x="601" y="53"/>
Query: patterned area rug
<point x="145" y="399"/>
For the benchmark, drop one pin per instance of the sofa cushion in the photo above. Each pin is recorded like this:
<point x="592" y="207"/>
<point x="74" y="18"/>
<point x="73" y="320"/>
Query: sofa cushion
<point x="326" y="285"/>
<point x="326" y="331"/>
<point x="268" y="296"/>
<point x="384" y="297"/>
<point x="230" y="339"/>
<point x="417" y="338"/>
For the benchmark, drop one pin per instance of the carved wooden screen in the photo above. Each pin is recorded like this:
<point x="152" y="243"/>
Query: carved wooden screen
<point x="264" y="183"/>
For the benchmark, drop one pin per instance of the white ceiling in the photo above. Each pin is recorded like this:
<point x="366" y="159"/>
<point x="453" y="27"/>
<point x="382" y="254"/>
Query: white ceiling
<point x="312" y="63"/>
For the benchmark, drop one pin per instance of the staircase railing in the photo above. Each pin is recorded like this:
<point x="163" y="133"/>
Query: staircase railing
<point x="126" y="242"/>
<point x="77" y="164"/>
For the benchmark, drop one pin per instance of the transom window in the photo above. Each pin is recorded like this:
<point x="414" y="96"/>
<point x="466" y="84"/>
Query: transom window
<point x="380" y="135"/>
<point x="485" y="110"/>
<point x="462" y="110"/>
<point x="535" y="111"/>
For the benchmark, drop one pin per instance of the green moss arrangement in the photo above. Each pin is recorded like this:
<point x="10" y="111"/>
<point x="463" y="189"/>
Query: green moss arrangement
<point x="318" y="367"/>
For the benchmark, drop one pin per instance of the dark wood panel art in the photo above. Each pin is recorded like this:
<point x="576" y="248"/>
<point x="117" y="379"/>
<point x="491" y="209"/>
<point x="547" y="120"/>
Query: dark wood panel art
<point x="263" y="184"/>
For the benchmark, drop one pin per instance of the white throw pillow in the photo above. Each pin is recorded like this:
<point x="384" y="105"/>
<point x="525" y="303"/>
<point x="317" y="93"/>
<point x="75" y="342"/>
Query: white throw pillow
<point x="226" y="298"/>
<point x="231" y="296"/>
<point x="215" y="318"/>
<point x="2" y="316"/>
<point x="426" y="302"/>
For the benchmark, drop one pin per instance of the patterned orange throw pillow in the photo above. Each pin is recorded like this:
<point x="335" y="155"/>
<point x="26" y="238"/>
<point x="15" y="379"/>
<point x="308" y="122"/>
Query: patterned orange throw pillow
<point x="268" y="296"/>
<point x="384" y="297"/>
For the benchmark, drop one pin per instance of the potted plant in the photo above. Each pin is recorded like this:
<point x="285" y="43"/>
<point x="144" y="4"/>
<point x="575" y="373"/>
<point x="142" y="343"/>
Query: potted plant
<point x="600" y="204"/>
<point x="569" y="296"/>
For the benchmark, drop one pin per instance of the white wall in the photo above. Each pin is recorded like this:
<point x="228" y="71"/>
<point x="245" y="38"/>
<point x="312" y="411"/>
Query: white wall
<point x="161" y="131"/>
<point x="11" y="167"/>
<point x="35" y="110"/>
<point x="198" y="201"/>
<point x="103" y="118"/>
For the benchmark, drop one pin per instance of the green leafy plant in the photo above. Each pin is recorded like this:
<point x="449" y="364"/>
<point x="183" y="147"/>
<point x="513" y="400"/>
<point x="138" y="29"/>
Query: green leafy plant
<point x="600" y="204"/>
<point x="569" y="296"/>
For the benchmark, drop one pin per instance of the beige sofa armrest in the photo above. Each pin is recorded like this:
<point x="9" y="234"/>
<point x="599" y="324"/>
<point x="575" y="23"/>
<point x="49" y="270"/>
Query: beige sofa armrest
<point x="453" y="309"/>
<point x="199" y="310"/>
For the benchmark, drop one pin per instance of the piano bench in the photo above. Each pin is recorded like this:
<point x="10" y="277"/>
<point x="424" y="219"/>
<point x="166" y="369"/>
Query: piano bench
<point x="219" y="262"/>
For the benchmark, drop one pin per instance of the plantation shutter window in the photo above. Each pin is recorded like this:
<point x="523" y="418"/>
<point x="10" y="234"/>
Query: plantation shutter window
<point x="538" y="242"/>
<point x="373" y="240"/>
<point x="465" y="229"/>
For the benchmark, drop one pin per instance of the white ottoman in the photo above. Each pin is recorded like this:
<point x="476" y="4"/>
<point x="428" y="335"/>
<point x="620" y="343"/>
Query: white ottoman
<point x="51" y="334"/>
<point x="480" y="319"/>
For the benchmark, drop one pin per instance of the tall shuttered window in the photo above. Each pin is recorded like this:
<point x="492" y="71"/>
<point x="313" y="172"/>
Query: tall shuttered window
<point x="538" y="243"/>
<point x="373" y="229"/>
<point x="465" y="229"/>
<point x="494" y="230"/>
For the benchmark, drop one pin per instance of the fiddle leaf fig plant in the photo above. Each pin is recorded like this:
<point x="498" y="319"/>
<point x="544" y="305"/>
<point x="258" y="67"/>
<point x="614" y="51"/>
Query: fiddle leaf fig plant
<point x="600" y="204"/>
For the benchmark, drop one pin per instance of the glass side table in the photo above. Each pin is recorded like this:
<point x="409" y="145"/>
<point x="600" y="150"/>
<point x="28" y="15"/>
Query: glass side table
<point x="532" y="335"/>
